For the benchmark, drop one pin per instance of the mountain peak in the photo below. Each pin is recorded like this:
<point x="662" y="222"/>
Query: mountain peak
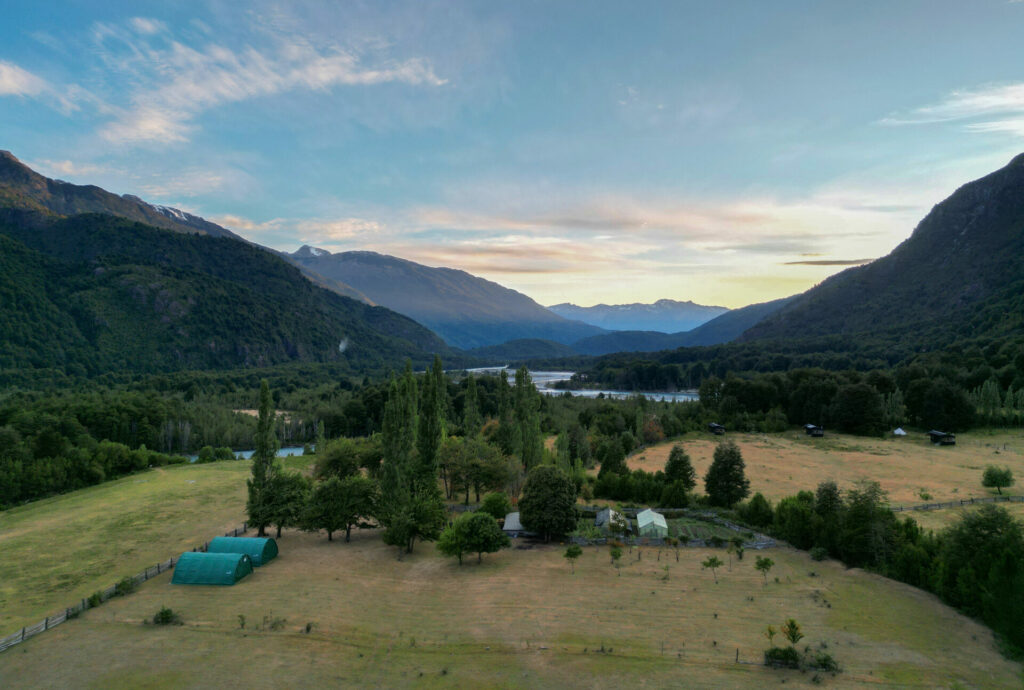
<point x="306" y="251"/>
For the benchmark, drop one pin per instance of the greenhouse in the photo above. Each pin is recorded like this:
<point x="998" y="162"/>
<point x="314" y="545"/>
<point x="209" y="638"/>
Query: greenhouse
<point x="197" y="568"/>
<point x="651" y="524"/>
<point x="260" y="549"/>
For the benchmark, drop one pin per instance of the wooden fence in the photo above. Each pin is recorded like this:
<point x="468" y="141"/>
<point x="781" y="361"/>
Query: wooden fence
<point x="99" y="597"/>
<point x="962" y="502"/>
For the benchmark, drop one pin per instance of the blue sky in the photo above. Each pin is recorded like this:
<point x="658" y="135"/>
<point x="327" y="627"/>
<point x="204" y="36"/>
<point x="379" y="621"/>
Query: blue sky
<point x="727" y="153"/>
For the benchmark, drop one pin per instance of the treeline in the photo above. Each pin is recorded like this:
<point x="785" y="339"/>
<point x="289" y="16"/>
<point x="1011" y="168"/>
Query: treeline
<point x="977" y="381"/>
<point x="54" y="443"/>
<point x="976" y="565"/>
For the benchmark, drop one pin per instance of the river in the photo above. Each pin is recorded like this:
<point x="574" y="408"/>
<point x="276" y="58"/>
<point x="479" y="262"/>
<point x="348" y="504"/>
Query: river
<point x="545" y="380"/>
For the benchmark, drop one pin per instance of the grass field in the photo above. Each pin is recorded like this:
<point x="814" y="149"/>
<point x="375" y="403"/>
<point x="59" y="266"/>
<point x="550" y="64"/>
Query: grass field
<point x="58" y="550"/>
<point x="520" y="619"/>
<point x="782" y="464"/>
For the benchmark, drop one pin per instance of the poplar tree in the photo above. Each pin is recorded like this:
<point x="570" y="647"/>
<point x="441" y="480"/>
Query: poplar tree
<point x="259" y="505"/>
<point x="527" y="414"/>
<point x="411" y="503"/>
<point x="471" y="419"/>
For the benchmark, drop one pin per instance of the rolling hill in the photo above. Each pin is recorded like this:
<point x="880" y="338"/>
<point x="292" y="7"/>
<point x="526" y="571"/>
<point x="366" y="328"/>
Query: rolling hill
<point x="465" y="310"/>
<point x="959" y="275"/>
<point x="664" y="316"/>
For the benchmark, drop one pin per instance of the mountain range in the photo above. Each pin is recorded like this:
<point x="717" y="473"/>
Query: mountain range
<point x="465" y="310"/>
<point x="663" y="316"/>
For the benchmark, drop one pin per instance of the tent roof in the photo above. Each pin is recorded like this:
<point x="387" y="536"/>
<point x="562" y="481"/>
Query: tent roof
<point x="512" y="523"/>
<point x="646" y="517"/>
<point x="259" y="549"/>
<point x="197" y="568"/>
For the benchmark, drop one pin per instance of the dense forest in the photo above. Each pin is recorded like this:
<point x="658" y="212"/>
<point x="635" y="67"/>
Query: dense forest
<point x="91" y="294"/>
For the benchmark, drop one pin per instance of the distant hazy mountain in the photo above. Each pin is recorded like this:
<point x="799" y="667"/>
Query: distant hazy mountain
<point x="465" y="310"/>
<point x="723" y="329"/>
<point x="665" y="315"/>
<point x="960" y="274"/>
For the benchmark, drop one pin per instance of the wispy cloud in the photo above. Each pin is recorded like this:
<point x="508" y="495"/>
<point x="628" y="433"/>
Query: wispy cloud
<point x="15" y="81"/>
<point x="68" y="168"/>
<point x="997" y="108"/>
<point x="830" y="262"/>
<point x="173" y="83"/>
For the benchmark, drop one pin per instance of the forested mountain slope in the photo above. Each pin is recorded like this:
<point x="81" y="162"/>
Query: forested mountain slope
<point x="93" y="293"/>
<point x="465" y="310"/>
<point x="959" y="275"/>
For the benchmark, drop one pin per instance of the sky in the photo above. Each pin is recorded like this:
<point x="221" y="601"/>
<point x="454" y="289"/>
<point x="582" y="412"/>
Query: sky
<point x="726" y="153"/>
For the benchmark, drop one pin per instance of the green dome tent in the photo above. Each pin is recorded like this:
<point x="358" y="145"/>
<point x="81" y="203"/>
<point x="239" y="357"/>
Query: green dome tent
<point x="197" y="568"/>
<point x="259" y="549"/>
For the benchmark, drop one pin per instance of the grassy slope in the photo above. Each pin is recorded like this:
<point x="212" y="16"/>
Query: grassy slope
<point x="518" y="620"/>
<point x="782" y="464"/>
<point x="61" y="549"/>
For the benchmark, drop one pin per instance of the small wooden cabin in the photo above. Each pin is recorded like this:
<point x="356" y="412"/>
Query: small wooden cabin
<point x="716" y="429"/>
<point x="942" y="438"/>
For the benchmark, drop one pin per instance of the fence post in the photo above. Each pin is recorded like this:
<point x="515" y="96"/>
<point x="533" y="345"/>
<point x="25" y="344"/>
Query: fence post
<point x="23" y="634"/>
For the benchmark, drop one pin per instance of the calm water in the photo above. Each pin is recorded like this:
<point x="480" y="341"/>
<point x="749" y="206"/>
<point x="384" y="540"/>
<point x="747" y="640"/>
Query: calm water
<point x="246" y="454"/>
<point x="544" y="380"/>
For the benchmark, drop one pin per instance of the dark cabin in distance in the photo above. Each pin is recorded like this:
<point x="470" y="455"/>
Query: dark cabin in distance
<point x="942" y="438"/>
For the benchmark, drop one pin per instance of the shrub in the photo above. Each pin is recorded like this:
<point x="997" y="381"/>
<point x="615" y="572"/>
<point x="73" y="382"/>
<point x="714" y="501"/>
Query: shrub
<point x="125" y="586"/>
<point x="823" y="661"/>
<point x="205" y="454"/>
<point x="166" y="616"/>
<point x="819" y="553"/>
<point x="782" y="657"/>
<point x="95" y="599"/>
<point x="223" y="453"/>
<point x="496" y="505"/>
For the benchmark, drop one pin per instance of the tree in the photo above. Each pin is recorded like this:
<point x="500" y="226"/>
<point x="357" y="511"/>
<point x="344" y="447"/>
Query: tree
<point x="496" y="505"/>
<point x="472" y="532"/>
<point x="675" y="495"/>
<point x="263" y="465"/>
<point x="997" y="478"/>
<point x="616" y="553"/>
<point x="857" y="409"/>
<point x="791" y="631"/>
<point x="321" y="438"/>
<point x="572" y="553"/>
<point x="725" y="481"/>
<point x="763" y="565"/>
<point x="288" y="493"/>
<point x="713" y="562"/>
<point x="325" y="509"/>
<point x="471" y="419"/>
<point x="527" y="414"/>
<point x="548" y="505"/>
<point x="338" y="458"/>
<point x="758" y="511"/>
<point x="678" y="468"/>
<point x="411" y="506"/>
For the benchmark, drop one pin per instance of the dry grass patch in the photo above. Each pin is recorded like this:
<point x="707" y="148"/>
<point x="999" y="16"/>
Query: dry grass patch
<point x="780" y="465"/>
<point x="517" y="620"/>
<point x="61" y="549"/>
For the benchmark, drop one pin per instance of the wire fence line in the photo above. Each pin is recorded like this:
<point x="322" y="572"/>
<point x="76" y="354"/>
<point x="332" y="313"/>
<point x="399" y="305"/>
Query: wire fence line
<point x="101" y="596"/>
<point x="957" y="504"/>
